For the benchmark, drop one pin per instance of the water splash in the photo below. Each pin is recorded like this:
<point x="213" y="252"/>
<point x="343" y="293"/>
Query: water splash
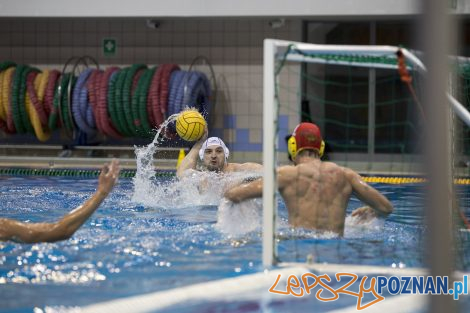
<point x="239" y="219"/>
<point x="355" y="227"/>
<point x="144" y="180"/>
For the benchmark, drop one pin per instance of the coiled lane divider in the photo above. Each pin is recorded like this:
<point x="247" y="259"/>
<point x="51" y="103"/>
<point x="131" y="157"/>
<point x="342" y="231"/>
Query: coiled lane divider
<point x="118" y="102"/>
<point x="81" y="108"/>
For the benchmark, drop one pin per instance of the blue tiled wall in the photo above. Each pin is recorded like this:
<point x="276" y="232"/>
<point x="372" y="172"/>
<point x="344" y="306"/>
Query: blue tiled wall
<point x="241" y="142"/>
<point x="230" y="121"/>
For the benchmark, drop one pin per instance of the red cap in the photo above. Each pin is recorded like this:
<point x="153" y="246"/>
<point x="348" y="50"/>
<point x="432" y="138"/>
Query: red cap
<point x="307" y="136"/>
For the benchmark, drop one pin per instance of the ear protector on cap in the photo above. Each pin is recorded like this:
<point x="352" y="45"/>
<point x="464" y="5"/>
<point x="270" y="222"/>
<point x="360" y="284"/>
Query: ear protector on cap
<point x="292" y="148"/>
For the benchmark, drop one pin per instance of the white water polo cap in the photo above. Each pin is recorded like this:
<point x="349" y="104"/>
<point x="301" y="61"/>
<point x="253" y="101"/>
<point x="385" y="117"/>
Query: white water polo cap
<point x="213" y="141"/>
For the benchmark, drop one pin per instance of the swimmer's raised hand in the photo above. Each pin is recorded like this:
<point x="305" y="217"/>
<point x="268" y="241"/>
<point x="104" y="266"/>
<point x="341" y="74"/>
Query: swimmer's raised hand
<point x="108" y="177"/>
<point x="190" y="161"/>
<point x="69" y="223"/>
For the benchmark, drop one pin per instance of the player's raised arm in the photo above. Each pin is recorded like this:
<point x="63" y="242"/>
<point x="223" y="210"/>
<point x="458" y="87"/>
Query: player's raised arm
<point x="65" y="227"/>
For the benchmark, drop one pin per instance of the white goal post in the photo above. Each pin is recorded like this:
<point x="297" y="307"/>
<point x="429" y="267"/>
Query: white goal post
<point x="275" y="50"/>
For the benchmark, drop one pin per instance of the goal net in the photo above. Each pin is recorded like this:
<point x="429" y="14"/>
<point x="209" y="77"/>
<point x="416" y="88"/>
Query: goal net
<point x="367" y="102"/>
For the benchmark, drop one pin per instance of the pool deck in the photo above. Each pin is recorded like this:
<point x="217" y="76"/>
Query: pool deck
<point x="82" y="157"/>
<point x="254" y="287"/>
<point x="76" y="162"/>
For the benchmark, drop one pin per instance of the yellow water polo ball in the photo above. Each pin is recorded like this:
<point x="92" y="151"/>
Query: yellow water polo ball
<point x="190" y="125"/>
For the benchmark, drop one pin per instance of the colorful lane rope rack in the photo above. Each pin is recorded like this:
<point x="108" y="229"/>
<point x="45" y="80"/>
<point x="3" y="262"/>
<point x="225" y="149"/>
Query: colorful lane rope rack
<point x="133" y="101"/>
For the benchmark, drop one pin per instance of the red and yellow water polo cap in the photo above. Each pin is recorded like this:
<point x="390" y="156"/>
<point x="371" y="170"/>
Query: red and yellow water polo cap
<point x="305" y="136"/>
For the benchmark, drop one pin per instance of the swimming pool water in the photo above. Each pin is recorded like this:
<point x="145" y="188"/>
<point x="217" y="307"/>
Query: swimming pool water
<point x="129" y="247"/>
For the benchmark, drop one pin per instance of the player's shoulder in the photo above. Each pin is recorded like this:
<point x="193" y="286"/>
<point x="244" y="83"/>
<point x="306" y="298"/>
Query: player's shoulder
<point x="349" y="173"/>
<point x="331" y="165"/>
<point x="247" y="166"/>
<point x="335" y="169"/>
<point x="288" y="169"/>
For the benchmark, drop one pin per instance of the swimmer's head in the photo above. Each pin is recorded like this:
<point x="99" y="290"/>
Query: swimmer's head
<point x="214" y="154"/>
<point x="306" y="136"/>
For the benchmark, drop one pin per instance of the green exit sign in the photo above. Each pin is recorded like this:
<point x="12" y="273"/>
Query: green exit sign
<point x="109" y="47"/>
